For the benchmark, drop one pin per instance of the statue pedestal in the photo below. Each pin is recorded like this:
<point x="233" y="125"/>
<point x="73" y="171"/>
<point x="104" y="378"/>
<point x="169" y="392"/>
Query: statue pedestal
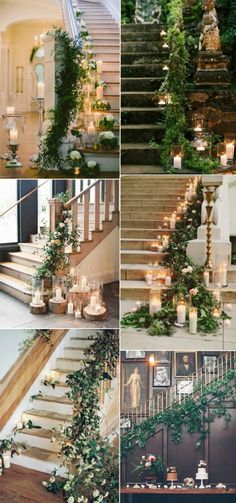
<point x="196" y="251"/>
<point x="212" y="69"/>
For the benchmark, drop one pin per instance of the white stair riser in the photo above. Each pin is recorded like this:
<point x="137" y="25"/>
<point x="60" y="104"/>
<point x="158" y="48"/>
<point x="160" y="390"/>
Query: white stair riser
<point x="40" y="442"/>
<point x="78" y="343"/>
<point x="25" y="248"/>
<point x="39" y="465"/>
<point x="61" y="408"/>
<point x="29" y="263"/>
<point x="73" y="353"/>
<point x="61" y="377"/>
<point x="64" y="364"/>
<point x="14" y="273"/>
<point x="45" y="422"/>
<point x="57" y="392"/>
<point x="108" y="57"/>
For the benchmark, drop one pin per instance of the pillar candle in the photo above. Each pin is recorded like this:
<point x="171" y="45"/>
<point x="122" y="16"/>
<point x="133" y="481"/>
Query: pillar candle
<point x="224" y="275"/>
<point x="40" y="90"/>
<point x="192" y="322"/>
<point x="10" y="110"/>
<point x="168" y="280"/>
<point x="172" y="221"/>
<point x="78" y="314"/>
<point x="230" y="151"/>
<point x="99" y="92"/>
<point x="181" y="313"/>
<point x="70" y="308"/>
<point x="91" y="128"/>
<point x="177" y="162"/>
<point x="206" y="277"/>
<point x="6" y="460"/>
<point x="58" y="293"/>
<point x="99" y="66"/>
<point x="37" y="297"/>
<point x="13" y="136"/>
<point x="223" y="160"/>
<point x="93" y="301"/>
<point x="155" y="306"/>
<point x="84" y="282"/>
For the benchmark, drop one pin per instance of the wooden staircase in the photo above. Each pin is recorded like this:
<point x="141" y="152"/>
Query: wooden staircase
<point x="95" y="220"/>
<point x="143" y="61"/>
<point x="51" y="408"/>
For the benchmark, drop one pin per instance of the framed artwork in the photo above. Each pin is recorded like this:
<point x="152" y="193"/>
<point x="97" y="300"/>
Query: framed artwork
<point x="135" y="355"/>
<point x="209" y="361"/>
<point x="134" y="385"/>
<point x="163" y="356"/>
<point x="185" y="364"/>
<point x="184" y="387"/>
<point x="161" y="376"/>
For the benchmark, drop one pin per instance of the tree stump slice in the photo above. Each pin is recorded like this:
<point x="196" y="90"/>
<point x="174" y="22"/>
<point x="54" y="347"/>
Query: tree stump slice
<point x="40" y="309"/>
<point x="57" y="307"/>
<point x="91" y="315"/>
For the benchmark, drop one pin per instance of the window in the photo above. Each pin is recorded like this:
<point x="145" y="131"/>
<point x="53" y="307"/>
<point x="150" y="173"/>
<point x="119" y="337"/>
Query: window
<point x="8" y="223"/>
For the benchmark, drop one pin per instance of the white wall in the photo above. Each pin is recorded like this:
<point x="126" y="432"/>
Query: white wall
<point x="103" y="262"/>
<point x="232" y="204"/>
<point x="114" y="7"/>
<point x="9" y="343"/>
<point x="13" y="11"/>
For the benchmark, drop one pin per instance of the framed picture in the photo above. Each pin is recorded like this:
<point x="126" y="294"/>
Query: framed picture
<point x="134" y="389"/>
<point x="163" y="357"/>
<point x="209" y="361"/>
<point x="135" y="355"/>
<point x="184" y="387"/>
<point x="161" y="376"/>
<point x="185" y="364"/>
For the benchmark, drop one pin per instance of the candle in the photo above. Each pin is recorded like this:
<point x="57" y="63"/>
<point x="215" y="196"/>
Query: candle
<point x="154" y="305"/>
<point x="72" y="271"/>
<point x="223" y="160"/>
<point x="6" y="460"/>
<point x="70" y="308"/>
<point x="198" y="129"/>
<point x="40" y="90"/>
<point x="200" y="148"/>
<point x="172" y="221"/>
<point x="216" y="313"/>
<point x="37" y="298"/>
<point x="177" y="161"/>
<point x="99" y="66"/>
<point x="229" y="307"/>
<point x="97" y="117"/>
<point x="99" y="92"/>
<point x="168" y="280"/>
<point x="165" y="68"/>
<point x="181" y="313"/>
<point x="10" y="110"/>
<point x="224" y="275"/>
<point x="193" y="321"/>
<point x="230" y="151"/>
<point x="228" y="323"/>
<point x="91" y="128"/>
<point x="78" y="314"/>
<point x="165" y="46"/>
<point x="216" y="295"/>
<point x="13" y="136"/>
<point x="58" y="294"/>
<point x="206" y="277"/>
<point x="83" y="282"/>
<point x="93" y="301"/>
<point x="161" y="102"/>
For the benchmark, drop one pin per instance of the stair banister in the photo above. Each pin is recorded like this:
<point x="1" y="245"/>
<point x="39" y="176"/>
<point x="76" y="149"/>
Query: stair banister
<point x="70" y="22"/>
<point x="23" y="198"/>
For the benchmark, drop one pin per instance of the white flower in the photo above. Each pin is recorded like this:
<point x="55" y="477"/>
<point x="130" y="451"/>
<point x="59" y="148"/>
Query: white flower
<point x="74" y="154"/>
<point x="61" y="225"/>
<point x="190" y="269"/>
<point x="19" y="426"/>
<point x="109" y="118"/>
<point x="96" y="493"/>
<point x="108" y="135"/>
<point x="71" y="499"/>
<point x="52" y="480"/>
<point x="91" y="164"/>
<point x="44" y="483"/>
<point x="185" y="270"/>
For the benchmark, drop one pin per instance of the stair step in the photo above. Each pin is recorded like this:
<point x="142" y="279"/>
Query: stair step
<point x="143" y="46"/>
<point x="80" y="343"/>
<point x="138" y="244"/>
<point x="142" y="58"/>
<point x="142" y="28"/>
<point x="32" y="248"/>
<point x="136" y="290"/>
<point x="133" y="153"/>
<point x="141" y="115"/>
<point x="25" y="258"/>
<point x="72" y="363"/>
<point x="141" y="257"/>
<point x="46" y="419"/>
<point x="137" y="169"/>
<point x="136" y="272"/>
<point x="71" y="351"/>
<point x="147" y="224"/>
<point x="130" y="132"/>
<point x="140" y="233"/>
<point x="52" y="403"/>
<point x="130" y="84"/>
<point x="22" y="272"/>
<point x="15" y="287"/>
<point x="41" y="460"/>
<point x="140" y="70"/>
<point x="41" y="439"/>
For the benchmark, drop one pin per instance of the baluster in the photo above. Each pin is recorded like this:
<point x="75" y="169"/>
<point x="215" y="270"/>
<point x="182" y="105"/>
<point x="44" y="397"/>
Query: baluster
<point x="162" y="402"/>
<point x="97" y="207"/>
<point x="230" y="360"/>
<point x="86" y="216"/>
<point x="75" y="213"/>
<point x="107" y="199"/>
<point x="226" y="363"/>
<point x="55" y="209"/>
<point x="116" y="196"/>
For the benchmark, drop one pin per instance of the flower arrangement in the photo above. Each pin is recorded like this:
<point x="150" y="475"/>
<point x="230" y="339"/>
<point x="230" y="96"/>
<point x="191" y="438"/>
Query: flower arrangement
<point x="150" y="465"/>
<point x="108" y="140"/>
<point x="107" y="122"/>
<point x="101" y="105"/>
<point x="75" y="157"/>
<point x="82" y="166"/>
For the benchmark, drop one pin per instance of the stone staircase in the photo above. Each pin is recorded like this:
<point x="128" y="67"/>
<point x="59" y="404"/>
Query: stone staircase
<point x="142" y="70"/>
<point x="52" y="408"/>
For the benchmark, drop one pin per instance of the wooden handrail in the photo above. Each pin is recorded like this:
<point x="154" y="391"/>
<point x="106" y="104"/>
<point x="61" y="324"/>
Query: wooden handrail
<point x="23" y="373"/>
<point x="24" y="197"/>
<point x="78" y="196"/>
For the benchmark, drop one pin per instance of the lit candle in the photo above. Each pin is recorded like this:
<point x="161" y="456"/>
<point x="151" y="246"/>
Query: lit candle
<point x="165" y="46"/>
<point x="228" y="323"/>
<point x="10" y="110"/>
<point x="198" y="129"/>
<point x="58" y="294"/>
<point x="99" y="66"/>
<point x="172" y="221"/>
<point x="93" y="301"/>
<point x="37" y="297"/>
<point x="229" y="307"/>
<point x="99" y="92"/>
<point x="230" y="151"/>
<point x="224" y="275"/>
<point x="40" y="90"/>
<point x="83" y="282"/>
<point x="206" y="278"/>
<point x="177" y="161"/>
<point x="6" y="460"/>
<point x="70" y="308"/>
<point x="216" y="313"/>
<point x="97" y="117"/>
<point x="216" y="295"/>
<point x="155" y="305"/>
<point x="193" y="320"/>
<point x="91" y="128"/>
<point x="78" y="314"/>
<point x="161" y="102"/>
<point x="181" y="313"/>
<point x="163" y="33"/>
<point x="165" y="68"/>
<point x="148" y="278"/>
<point x="13" y="136"/>
<point x="223" y="160"/>
<point x="168" y="280"/>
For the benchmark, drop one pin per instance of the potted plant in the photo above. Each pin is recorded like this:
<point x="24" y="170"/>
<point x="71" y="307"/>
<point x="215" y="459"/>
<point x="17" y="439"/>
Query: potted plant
<point x="151" y="467"/>
<point x="107" y="122"/>
<point x="108" y="140"/>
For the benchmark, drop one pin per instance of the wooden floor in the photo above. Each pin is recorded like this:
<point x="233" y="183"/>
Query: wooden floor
<point x="20" y="485"/>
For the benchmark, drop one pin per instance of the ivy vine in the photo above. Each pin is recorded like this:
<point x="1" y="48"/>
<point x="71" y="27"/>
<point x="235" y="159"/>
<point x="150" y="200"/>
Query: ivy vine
<point x="33" y="335"/>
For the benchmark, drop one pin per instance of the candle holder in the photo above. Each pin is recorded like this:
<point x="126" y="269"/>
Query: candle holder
<point x="209" y="209"/>
<point x="154" y="300"/>
<point x="37" y="305"/>
<point x="94" y="310"/>
<point x="181" y="309"/>
<point x="193" y="320"/>
<point x="198" y="121"/>
<point x="176" y="154"/>
<point x="162" y="99"/>
<point x="58" y="288"/>
<point x="229" y="140"/>
<point x="40" y="104"/>
<point x="13" y="161"/>
<point x="221" y="154"/>
<point x="13" y="126"/>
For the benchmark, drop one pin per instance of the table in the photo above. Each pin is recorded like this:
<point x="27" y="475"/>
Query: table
<point x="131" y="495"/>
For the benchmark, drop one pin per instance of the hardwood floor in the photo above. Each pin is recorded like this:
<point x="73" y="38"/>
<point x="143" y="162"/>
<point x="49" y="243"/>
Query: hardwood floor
<point x="21" y="485"/>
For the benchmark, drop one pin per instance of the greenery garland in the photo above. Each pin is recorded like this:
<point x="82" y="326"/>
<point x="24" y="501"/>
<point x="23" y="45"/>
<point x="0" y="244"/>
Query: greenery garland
<point x="68" y="86"/>
<point x="187" y="283"/>
<point x="127" y="11"/>
<point x="95" y="475"/>
<point x="191" y="415"/>
<point x="33" y="335"/>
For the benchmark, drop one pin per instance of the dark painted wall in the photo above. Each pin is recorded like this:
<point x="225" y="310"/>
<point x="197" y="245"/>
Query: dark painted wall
<point x="27" y="210"/>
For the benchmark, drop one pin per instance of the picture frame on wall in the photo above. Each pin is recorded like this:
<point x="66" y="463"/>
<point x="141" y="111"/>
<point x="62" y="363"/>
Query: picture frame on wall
<point x="135" y="355"/>
<point x="161" y="376"/>
<point x="185" y="363"/>
<point x="184" y="387"/>
<point x="209" y="361"/>
<point x="134" y="386"/>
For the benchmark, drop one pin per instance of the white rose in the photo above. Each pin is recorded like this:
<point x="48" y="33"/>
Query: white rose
<point x="71" y="499"/>
<point x="91" y="164"/>
<point x="108" y="135"/>
<point x="61" y="225"/>
<point x="190" y="269"/>
<point x="109" y="117"/>
<point x="52" y="480"/>
<point x="44" y="483"/>
<point x="19" y="426"/>
<point x="96" y="493"/>
<point x="74" y="154"/>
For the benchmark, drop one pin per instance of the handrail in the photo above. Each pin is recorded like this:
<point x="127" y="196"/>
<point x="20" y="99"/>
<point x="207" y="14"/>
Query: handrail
<point x="82" y="193"/>
<point x="24" y="197"/>
<point x="70" y="21"/>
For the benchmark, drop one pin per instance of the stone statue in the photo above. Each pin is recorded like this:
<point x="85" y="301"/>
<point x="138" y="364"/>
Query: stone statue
<point x="210" y="35"/>
<point x="135" y="384"/>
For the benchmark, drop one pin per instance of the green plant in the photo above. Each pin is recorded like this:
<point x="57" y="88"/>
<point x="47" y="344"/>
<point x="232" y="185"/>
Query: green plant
<point x="150" y="464"/>
<point x="101" y="105"/>
<point x="107" y="122"/>
<point x="108" y="140"/>
<point x="127" y="11"/>
<point x="33" y="335"/>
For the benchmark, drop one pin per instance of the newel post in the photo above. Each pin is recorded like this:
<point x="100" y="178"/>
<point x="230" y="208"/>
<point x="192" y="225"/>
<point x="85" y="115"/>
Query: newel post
<point x="55" y="207"/>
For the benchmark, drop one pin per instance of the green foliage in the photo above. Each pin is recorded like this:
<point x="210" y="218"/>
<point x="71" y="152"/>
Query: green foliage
<point x="127" y="11"/>
<point x="33" y="335"/>
<point x="190" y="415"/>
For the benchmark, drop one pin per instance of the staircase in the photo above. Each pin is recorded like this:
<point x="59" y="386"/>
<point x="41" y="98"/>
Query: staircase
<point x="145" y="203"/>
<point x="193" y="386"/>
<point x="142" y="72"/>
<point x="95" y="220"/>
<point x="51" y="408"/>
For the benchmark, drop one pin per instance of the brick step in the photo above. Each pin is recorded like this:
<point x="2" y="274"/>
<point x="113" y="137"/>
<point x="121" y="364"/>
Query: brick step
<point x="138" y="100"/>
<point x="141" y="257"/>
<point x="129" y="84"/>
<point x="133" y="153"/>
<point x="137" y="115"/>
<point x="137" y="272"/>
<point x="145" y="70"/>
<point x="141" y="36"/>
<point x="142" y="233"/>
<point x="142" y="58"/>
